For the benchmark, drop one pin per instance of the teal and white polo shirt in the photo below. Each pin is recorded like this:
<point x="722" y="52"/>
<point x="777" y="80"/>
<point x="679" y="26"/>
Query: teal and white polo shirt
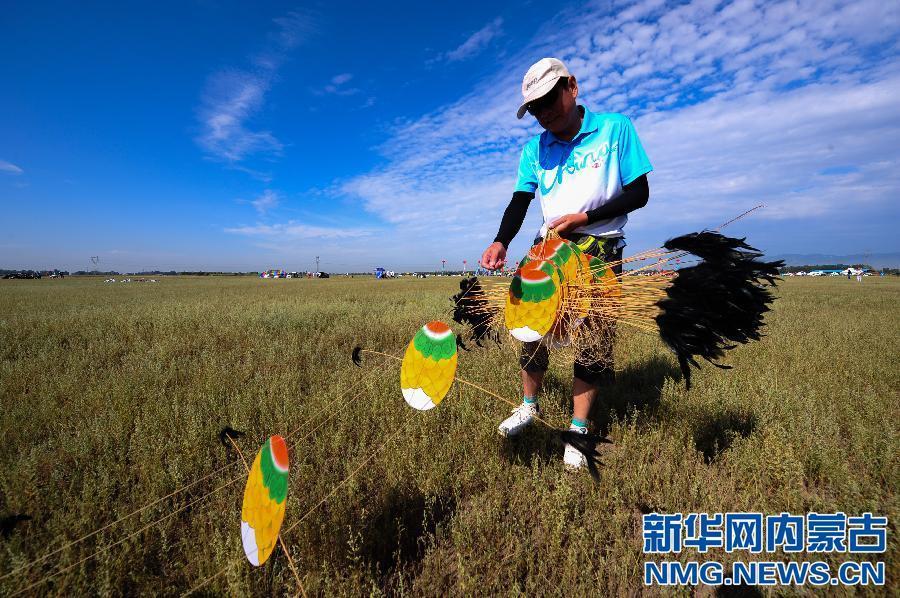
<point x="583" y="174"/>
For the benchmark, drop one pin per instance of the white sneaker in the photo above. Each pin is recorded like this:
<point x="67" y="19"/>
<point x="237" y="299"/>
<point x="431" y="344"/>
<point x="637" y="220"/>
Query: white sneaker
<point x="572" y="457"/>
<point x="521" y="418"/>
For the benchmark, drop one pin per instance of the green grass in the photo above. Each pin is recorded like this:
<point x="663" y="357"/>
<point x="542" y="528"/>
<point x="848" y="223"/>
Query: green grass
<point x="113" y="395"/>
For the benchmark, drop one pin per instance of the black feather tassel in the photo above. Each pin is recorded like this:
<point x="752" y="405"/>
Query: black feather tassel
<point x="9" y="523"/>
<point x="714" y="305"/>
<point x="586" y="444"/>
<point x="470" y="306"/>
<point x="228" y="432"/>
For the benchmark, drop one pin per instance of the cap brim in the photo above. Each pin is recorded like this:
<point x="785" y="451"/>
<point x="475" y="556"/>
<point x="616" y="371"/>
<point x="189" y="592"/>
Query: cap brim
<point x="538" y="92"/>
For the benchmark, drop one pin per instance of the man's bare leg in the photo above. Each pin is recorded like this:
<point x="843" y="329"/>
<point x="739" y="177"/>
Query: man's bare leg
<point x="531" y="383"/>
<point x="582" y="398"/>
<point x="582" y="393"/>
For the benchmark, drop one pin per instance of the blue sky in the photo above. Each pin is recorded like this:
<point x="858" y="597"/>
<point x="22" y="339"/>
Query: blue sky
<point x="214" y="135"/>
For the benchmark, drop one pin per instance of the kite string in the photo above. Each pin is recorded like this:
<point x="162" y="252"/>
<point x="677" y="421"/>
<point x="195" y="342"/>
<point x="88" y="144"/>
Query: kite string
<point x="175" y="492"/>
<point x="352" y="473"/>
<point x="125" y="539"/>
<point x="119" y="520"/>
<point x="337" y="397"/>
<point x="207" y="580"/>
<point x="155" y="502"/>
<point x="473" y="385"/>
<point x="307" y="435"/>
<point x="739" y="216"/>
<point x="195" y="482"/>
<point x="280" y="540"/>
<point x="312" y="509"/>
<point x="345" y="403"/>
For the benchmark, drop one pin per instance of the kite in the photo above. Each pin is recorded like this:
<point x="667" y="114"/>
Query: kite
<point x="429" y="366"/>
<point x="534" y="299"/>
<point x="264" y="500"/>
<point x="702" y="310"/>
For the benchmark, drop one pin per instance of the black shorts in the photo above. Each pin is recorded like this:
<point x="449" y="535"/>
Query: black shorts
<point x="593" y="365"/>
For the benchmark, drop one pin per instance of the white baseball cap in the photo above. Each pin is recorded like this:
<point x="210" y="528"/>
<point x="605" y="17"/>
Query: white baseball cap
<point x="539" y="80"/>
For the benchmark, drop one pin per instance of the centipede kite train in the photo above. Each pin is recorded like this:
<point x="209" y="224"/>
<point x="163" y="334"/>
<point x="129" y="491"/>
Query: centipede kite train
<point x="703" y="293"/>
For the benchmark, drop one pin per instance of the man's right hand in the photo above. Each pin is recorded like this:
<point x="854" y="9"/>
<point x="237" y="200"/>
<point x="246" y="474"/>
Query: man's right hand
<point x="494" y="256"/>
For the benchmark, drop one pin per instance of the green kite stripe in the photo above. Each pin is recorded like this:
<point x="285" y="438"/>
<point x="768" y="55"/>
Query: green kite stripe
<point x="275" y="480"/>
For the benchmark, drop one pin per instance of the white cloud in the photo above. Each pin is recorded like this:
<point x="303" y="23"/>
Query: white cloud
<point x="268" y="200"/>
<point x="10" y="168"/>
<point x="234" y="96"/>
<point x="294" y="230"/>
<point x="476" y="42"/>
<point x="338" y="86"/>
<point x="737" y="103"/>
<point x="725" y="154"/>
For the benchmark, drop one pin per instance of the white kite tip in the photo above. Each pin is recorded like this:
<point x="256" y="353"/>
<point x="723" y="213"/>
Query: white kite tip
<point x="417" y="399"/>
<point x="526" y="334"/>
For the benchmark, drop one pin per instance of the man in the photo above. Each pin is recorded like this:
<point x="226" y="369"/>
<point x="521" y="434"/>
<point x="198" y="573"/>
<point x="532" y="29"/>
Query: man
<point x="588" y="170"/>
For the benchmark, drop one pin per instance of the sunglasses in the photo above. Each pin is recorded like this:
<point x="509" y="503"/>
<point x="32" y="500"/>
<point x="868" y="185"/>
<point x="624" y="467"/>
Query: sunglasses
<point x="548" y="99"/>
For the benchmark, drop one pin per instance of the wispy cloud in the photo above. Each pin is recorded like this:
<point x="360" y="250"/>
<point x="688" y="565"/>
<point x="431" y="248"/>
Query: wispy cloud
<point x="10" y="168"/>
<point x="737" y="104"/>
<point x="338" y="86"/>
<point x="475" y="43"/>
<point x="234" y="96"/>
<point x="267" y="200"/>
<point x="293" y="230"/>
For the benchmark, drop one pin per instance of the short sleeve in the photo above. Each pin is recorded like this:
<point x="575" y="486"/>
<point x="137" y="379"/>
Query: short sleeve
<point x="527" y="179"/>
<point x="633" y="161"/>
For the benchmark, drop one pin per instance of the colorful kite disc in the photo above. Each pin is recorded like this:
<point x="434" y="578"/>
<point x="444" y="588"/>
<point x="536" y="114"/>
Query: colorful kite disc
<point x="603" y="274"/>
<point x="559" y="251"/>
<point x="429" y="366"/>
<point x="264" y="500"/>
<point x="535" y="295"/>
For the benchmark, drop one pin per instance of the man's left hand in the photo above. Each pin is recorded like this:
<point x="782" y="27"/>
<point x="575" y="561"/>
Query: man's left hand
<point x="568" y="223"/>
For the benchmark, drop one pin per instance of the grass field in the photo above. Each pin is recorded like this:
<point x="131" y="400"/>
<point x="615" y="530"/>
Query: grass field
<point x="113" y="395"/>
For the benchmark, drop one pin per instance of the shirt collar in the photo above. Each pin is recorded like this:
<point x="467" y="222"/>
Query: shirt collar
<point x="588" y="126"/>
